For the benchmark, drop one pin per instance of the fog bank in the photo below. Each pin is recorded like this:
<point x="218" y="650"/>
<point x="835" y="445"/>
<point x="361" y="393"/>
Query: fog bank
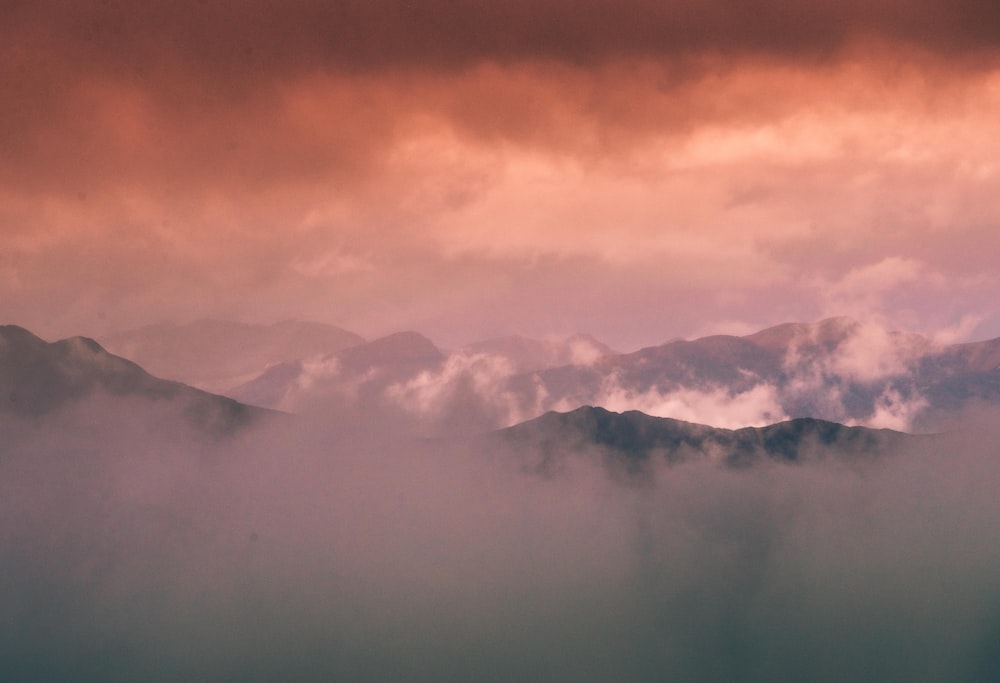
<point x="339" y="548"/>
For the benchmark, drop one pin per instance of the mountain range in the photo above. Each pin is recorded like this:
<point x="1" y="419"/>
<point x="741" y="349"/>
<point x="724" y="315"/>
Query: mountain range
<point x="218" y="355"/>
<point x="38" y="378"/>
<point x="391" y="367"/>
<point x="837" y="369"/>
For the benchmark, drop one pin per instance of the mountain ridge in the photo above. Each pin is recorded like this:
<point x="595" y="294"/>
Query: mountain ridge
<point x="38" y="378"/>
<point x="216" y="355"/>
<point x="636" y="438"/>
<point x="837" y="369"/>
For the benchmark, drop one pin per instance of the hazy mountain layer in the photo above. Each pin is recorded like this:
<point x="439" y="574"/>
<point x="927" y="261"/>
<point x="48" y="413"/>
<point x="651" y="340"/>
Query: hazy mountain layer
<point x="407" y="374"/>
<point x="838" y="369"/>
<point x="528" y="355"/>
<point x="359" y="374"/>
<point x="217" y="355"/>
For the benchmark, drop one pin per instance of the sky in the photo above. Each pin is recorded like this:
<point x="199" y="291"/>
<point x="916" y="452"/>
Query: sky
<point x="639" y="170"/>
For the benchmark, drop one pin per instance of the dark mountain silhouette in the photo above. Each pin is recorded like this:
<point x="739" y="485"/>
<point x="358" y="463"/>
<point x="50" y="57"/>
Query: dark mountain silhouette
<point x="38" y="378"/>
<point x="635" y="439"/>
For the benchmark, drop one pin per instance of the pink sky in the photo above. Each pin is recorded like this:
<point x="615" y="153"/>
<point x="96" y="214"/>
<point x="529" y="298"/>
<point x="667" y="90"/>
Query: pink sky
<point x="638" y="170"/>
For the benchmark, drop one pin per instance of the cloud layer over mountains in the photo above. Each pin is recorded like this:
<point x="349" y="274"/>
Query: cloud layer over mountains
<point x="343" y="544"/>
<point x="837" y="369"/>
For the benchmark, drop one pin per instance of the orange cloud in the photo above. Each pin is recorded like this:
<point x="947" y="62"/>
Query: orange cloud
<point x="374" y="163"/>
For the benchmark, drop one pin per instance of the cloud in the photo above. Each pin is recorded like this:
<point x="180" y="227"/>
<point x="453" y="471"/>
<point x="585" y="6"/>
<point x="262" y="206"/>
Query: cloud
<point x="874" y="279"/>
<point x="370" y="163"/>
<point x="863" y="290"/>
<point x="469" y="393"/>
<point x="959" y="332"/>
<point x="870" y="352"/>
<point x="832" y="368"/>
<point x="893" y="411"/>
<point x="279" y="38"/>
<point x="719" y="407"/>
<point x="584" y="351"/>
<point x="272" y="95"/>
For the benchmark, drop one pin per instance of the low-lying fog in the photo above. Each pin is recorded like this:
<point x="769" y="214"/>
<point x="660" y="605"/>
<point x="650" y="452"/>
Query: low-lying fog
<point x="336" y="547"/>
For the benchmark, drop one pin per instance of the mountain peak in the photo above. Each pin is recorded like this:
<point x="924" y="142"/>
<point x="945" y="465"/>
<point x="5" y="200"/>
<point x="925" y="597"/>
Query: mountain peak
<point x="829" y="331"/>
<point x="86" y="343"/>
<point x="400" y="346"/>
<point x="17" y="334"/>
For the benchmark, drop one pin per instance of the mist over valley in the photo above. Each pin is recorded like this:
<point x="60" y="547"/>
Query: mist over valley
<point x="368" y="538"/>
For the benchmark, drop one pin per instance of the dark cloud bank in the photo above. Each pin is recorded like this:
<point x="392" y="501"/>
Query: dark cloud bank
<point x="138" y="547"/>
<point x="169" y="91"/>
<point x="250" y="37"/>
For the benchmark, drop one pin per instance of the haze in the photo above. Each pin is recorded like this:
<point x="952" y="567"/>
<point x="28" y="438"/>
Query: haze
<point x="133" y="546"/>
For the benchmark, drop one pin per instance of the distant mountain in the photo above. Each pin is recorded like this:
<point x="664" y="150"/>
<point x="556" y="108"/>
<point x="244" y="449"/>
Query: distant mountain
<point x="736" y="363"/>
<point x="393" y="364"/>
<point x="399" y="351"/>
<point x="528" y="355"/>
<point x="361" y="372"/>
<point x="837" y="369"/>
<point x="634" y="439"/>
<point x="38" y="378"/>
<point x="217" y="355"/>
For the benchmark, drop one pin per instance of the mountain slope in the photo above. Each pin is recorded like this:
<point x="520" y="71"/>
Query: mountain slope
<point x="38" y="378"/>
